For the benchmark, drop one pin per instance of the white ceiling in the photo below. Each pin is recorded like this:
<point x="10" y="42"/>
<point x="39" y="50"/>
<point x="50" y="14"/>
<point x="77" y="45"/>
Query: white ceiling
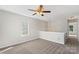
<point x="56" y="10"/>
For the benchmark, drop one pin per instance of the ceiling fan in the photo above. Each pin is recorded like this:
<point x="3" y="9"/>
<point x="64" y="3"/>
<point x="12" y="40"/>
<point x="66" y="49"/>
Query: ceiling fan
<point x="40" y="10"/>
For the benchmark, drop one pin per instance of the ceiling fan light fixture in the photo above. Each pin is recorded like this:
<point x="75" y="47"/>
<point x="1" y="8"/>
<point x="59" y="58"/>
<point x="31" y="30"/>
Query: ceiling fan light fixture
<point x="40" y="10"/>
<point x="38" y="13"/>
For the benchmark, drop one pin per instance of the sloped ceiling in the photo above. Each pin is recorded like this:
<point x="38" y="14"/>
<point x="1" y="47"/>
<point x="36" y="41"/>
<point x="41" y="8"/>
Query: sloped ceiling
<point x="56" y="10"/>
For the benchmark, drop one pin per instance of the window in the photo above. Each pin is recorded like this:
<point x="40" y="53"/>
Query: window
<point x="71" y="28"/>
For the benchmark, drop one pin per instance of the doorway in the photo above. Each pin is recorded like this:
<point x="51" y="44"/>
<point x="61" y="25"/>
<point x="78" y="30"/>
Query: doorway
<point x="72" y="40"/>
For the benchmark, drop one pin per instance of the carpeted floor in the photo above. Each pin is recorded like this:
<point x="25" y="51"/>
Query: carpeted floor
<point x="40" y="46"/>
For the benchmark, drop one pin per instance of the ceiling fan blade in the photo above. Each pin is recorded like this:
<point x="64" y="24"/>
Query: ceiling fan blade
<point x="46" y="11"/>
<point x="31" y="10"/>
<point x="34" y="13"/>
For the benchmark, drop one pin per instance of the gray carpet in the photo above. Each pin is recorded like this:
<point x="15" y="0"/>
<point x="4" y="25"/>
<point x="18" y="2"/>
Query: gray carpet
<point x="39" y="46"/>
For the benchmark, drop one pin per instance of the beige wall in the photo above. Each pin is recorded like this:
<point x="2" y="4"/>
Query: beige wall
<point x="36" y="25"/>
<point x="58" y="24"/>
<point x="42" y="25"/>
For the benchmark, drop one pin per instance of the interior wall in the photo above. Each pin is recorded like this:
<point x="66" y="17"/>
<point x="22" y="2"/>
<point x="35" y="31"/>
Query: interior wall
<point x="58" y="24"/>
<point x="35" y="26"/>
<point x="11" y="28"/>
<point x="57" y="37"/>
